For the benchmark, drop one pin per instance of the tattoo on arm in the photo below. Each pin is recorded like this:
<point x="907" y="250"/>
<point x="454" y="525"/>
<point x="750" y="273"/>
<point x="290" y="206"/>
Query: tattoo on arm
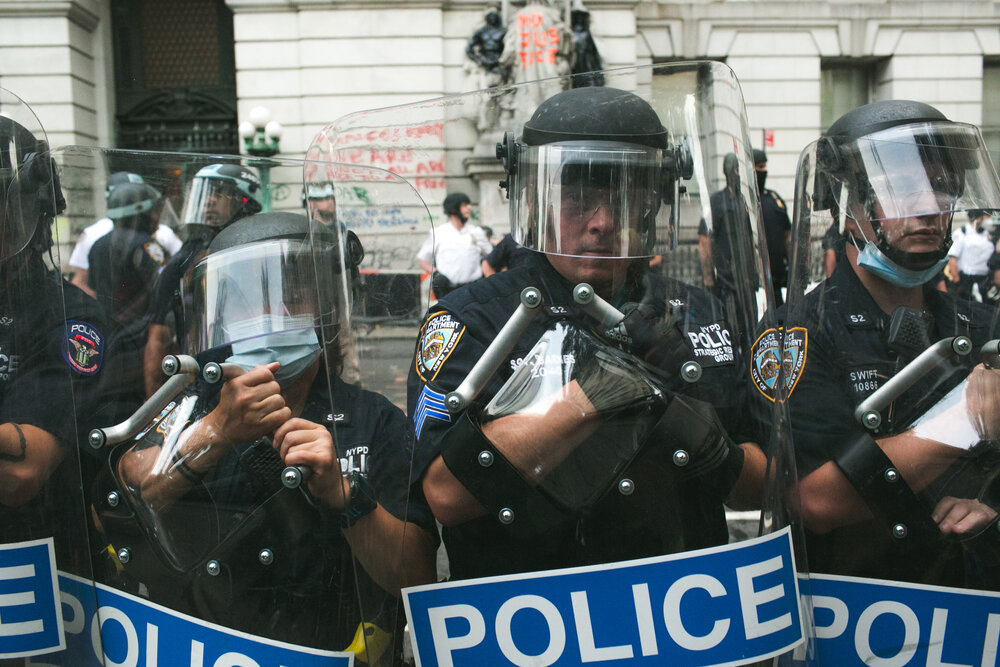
<point x="16" y="458"/>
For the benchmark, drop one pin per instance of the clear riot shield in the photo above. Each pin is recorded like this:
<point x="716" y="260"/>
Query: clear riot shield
<point x="252" y="508"/>
<point x="889" y="382"/>
<point x="583" y="418"/>
<point x="52" y="343"/>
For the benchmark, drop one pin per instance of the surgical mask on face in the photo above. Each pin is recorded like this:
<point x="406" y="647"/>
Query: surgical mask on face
<point x="295" y="350"/>
<point x="875" y="261"/>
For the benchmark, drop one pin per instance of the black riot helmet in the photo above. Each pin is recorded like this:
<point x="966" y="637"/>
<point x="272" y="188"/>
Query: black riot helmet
<point x="120" y="178"/>
<point x="586" y="149"/>
<point x="897" y="160"/>
<point x="29" y="187"/>
<point x="453" y="204"/>
<point x="134" y="205"/>
<point x="270" y="273"/>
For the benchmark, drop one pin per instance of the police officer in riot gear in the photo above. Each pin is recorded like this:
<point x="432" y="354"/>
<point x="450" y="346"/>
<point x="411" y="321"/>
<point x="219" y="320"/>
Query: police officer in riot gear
<point x="127" y="261"/>
<point x="203" y="483"/>
<point x="51" y="356"/>
<point x="894" y="478"/>
<point x="125" y="265"/>
<point x="219" y="195"/>
<point x="576" y="449"/>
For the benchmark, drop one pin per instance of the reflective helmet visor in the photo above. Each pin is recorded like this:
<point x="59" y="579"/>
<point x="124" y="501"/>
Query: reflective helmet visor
<point x="593" y="198"/>
<point x="213" y="202"/>
<point x="917" y="170"/>
<point x="258" y="289"/>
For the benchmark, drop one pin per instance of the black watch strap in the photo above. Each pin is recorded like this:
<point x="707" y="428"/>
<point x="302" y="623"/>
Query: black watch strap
<point x="362" y="502"/>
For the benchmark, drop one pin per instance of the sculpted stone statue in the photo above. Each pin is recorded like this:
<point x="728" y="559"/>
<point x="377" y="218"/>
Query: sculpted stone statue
<point x="486" y="44"/>
<point x="587" y="67"/>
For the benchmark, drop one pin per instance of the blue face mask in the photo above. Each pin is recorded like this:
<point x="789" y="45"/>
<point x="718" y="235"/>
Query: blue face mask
<point x="875" y="261"/>
<point x="296" y="351"/>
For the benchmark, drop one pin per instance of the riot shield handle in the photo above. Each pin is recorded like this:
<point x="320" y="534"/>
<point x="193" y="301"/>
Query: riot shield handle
<point x="597" y="307"/>
<point x="294" y="476"/>
<point x="493" y="356"/>
<point x="214" y="372"/>
<point x="990" y="354"/>
<point x="868" y="413"/>
<point x="181" y="370"/>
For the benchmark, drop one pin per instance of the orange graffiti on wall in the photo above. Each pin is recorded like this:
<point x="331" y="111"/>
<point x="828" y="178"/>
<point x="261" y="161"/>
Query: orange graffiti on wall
<point x="538" y="44"/>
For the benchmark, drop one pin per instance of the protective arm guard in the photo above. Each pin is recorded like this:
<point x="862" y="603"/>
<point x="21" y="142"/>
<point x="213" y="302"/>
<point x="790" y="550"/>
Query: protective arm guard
<point x="702" y="448"/>
<point x="494" y="482"/>
<point x="880" y="484"/>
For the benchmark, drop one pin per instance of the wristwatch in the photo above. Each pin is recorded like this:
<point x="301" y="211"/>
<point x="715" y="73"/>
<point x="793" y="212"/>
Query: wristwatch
<point x="362" y="500"/>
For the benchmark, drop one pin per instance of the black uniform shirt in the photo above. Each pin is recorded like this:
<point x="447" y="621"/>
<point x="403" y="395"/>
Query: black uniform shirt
<point x="312" y="599"/>
<point x="165" y="300"/>
<point x="655" y="519"/>
<point x="50" y="361"/>
<point x="123" y="266"/>
<point x="505" y="254"/>
<point x="730" y="225"/>
<point x="776" y="227"/>
<point x="837" y="353"/>
<point x="847" y="357"/>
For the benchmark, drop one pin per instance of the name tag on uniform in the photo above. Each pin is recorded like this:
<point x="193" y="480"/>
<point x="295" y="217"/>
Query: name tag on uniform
<point x="862" y="381"/>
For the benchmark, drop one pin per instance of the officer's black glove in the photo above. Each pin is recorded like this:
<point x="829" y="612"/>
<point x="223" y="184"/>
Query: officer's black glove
<point x="652" y="337"/>
<point x="702" y="448"/>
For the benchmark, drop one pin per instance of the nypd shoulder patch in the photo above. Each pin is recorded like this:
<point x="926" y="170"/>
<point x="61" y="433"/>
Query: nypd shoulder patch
<point x="778" y="353"/>
<point x="83" y="347"/>
<point x="438" y="337"/>
<point x="154" y="251"/>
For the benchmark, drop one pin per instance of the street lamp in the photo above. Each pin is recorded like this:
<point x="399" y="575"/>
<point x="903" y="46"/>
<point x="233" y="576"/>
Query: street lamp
<point x="261" y="137"/>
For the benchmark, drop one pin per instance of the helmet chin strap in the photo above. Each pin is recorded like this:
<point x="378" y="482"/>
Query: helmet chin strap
<point x="911" y="260"/>
<point x="914" y="261"/>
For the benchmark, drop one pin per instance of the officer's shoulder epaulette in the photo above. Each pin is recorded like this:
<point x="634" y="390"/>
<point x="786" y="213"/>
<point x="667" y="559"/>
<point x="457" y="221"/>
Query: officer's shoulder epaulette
<point x="777" y="198"/>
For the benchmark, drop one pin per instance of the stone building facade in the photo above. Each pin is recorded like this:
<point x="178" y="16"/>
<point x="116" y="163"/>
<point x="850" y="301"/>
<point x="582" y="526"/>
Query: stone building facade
<point x="801" y="63"/>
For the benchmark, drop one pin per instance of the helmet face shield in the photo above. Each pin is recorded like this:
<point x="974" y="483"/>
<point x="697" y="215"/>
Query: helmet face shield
<point x="214" y="202"/>
<point x="597" y="198"/>
<point x="259" y="289"/>
<point x="916" y="170"/>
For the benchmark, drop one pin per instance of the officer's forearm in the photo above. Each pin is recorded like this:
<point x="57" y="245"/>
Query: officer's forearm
<point x="80" y="279"/>
<point x="747" y="492"/>
<point x="28" y="455"/>
<point x="535" y="444"/>
<point x="450" y="502"/>
<point x="157" y="346"/>
<point x="827" y="499"/>
<point x="705" y="255"/>
<point x="163" y="480"/>
<point x="395" y="553"/>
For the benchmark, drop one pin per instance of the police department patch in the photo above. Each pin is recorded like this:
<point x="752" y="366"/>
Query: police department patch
<point x="83" y="347"/>
<point x="154" y="251"/>
<point x="438" y="338"/>
<point x="775" y="352"/>
<point x="711" y="344"/>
